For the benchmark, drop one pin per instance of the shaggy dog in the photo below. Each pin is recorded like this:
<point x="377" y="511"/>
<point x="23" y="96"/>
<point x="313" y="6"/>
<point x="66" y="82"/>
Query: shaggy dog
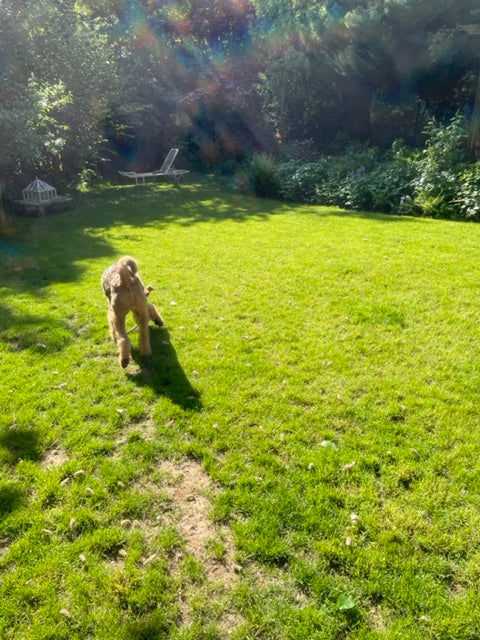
<point x="125" y="292"/>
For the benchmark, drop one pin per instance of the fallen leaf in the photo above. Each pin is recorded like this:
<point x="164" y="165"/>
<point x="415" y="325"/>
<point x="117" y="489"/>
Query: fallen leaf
<point x="328" y="444"/>
<point x="345" y="602"/>
<point x="150" y="559"/>
<point x="347" y="467"/>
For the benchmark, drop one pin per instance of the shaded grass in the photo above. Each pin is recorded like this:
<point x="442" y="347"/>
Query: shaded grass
<point x="322" y="366"/>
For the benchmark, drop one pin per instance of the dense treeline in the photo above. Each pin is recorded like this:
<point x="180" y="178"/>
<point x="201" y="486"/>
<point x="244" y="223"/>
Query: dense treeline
<point x="92" y="86"/>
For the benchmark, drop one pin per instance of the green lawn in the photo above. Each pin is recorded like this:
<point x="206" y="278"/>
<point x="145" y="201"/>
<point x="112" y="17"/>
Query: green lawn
<point x="298" y="459"/>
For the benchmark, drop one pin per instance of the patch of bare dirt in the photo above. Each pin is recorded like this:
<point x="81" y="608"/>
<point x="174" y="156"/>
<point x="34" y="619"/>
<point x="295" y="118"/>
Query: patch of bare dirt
<point x="377" y="619"/>
<point x="54" y="458"/>
<point x="188" y="488"/>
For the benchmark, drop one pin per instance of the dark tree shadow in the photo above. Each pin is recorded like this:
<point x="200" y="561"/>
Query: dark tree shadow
<point x="337" y="212"/>
<point x="11" y="497"/>
<point x="39" y="333"/>
<point x="18" y="444"/>
<point x="163" y="372"/>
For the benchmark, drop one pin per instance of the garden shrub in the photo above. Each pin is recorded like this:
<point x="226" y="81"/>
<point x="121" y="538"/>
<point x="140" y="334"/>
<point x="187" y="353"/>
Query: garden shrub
<point x="390" y="182"/>
<point x="299" y="180"/>
<point x="438" y="168"/>
<point x="263" y="176"/>
<point x="437" y="182"/>
<point x="356" y="179"/>
<point x="468" y="194"/>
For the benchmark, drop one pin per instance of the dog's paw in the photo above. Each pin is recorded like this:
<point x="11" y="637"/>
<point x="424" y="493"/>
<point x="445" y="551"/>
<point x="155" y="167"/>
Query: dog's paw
<point x="159" y="323"/>
<point x="124" y="362"/>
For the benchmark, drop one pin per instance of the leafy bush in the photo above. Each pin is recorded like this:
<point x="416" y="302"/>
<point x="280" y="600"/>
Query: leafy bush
<point x="356" y="179"/>
<point x="263" y="176"/>
<point x="438" y="169"/>
<point x="468" y="194"/>
<point x="437" y="182"/>
<point x="299" y="180"/>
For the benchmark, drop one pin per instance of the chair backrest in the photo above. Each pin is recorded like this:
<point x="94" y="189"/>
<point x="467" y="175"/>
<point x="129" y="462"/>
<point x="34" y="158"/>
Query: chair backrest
<point x="167" y="163"/>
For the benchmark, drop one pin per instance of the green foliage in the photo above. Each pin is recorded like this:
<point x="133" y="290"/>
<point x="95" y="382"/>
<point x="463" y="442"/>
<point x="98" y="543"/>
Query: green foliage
<point x="439" y="167"/>
<point x="299" y="180"/>
<point x="438" y="182"/>
<point x="263" y="177"/>
<point x="467" y="197"/>
<point x="223" y="80"/>
<point x="359" y="178"/>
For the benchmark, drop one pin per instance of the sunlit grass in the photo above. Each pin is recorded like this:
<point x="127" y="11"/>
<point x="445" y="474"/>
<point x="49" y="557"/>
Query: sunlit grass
<point x="323" y="368"/>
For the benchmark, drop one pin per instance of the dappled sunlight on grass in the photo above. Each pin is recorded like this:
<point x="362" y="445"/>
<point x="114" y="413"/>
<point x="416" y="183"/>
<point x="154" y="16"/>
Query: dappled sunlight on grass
<point x="187" y="203"/>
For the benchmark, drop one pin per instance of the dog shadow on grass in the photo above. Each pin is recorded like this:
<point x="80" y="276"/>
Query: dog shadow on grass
<point x="163" y="372"/>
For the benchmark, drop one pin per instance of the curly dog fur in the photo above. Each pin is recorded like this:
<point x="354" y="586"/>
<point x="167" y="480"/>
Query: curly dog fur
<point x="126" y="292"/>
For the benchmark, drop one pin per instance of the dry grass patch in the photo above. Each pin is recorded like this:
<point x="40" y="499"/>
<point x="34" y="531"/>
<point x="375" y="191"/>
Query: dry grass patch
<point x="54" y="458"/>
<point x="189" y="489"/>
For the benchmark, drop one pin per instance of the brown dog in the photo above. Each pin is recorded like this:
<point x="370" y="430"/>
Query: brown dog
<point x="126" y="292"/>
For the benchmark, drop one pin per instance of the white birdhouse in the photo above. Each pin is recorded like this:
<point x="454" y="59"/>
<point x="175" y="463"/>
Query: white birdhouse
<point x="38" y="192"/>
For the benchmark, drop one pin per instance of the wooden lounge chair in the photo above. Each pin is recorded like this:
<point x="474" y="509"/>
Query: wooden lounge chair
<point x="165" y="170"/>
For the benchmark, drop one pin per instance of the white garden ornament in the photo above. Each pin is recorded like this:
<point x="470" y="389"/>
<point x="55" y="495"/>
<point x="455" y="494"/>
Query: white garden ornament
<point x="39" y="192"/>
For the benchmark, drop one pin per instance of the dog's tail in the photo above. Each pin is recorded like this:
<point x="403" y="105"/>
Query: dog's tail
<point x="127" y="268"/>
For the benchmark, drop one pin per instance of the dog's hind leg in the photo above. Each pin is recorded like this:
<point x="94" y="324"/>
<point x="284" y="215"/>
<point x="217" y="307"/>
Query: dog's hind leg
<point x="154" y="315"/>
<point x="144" y="340"/>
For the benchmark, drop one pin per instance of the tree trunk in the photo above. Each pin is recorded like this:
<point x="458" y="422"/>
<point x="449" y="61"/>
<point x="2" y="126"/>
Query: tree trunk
<point x="474" y="138"/>
<point x="358" y="106"/>
<point x="3" y="215"/>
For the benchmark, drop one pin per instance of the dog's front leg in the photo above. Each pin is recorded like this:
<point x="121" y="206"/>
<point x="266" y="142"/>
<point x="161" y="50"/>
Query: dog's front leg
<point x="121" y="337"/>
<point x="144" y="340"/>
